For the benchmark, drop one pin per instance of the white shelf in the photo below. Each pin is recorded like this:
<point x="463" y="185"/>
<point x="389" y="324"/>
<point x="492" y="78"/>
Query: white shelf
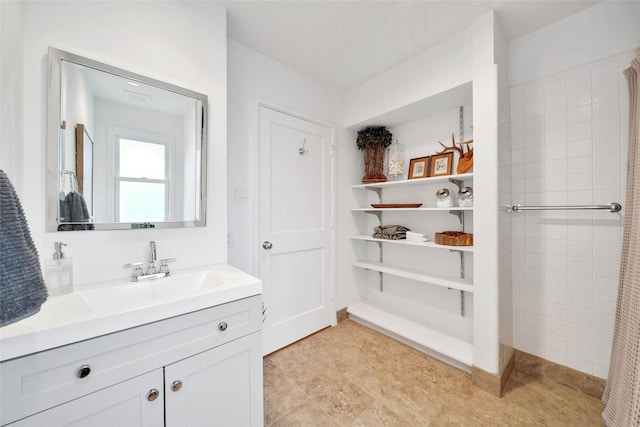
<point x="419" y="276"/>
<point x="453" y="208"/>
<point x="419" y="336"/>
<point x="418" y="181"/>
<point x="413" y="243"/>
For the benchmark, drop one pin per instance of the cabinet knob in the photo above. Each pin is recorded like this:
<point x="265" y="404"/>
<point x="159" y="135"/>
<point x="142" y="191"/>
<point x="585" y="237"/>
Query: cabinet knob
<point x="176" y="385"/>
<point x="267" y="245"/>
<point x="83" y="371"/>
<point x="152" y="395"/>
<point x="223" y="326"/>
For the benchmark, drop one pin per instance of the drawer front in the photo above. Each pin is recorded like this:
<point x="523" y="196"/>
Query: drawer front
<point x="125" y="404"/>
<point x="40" y="381"/>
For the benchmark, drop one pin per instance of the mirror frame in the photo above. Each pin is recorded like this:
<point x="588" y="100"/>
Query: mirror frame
<point x="55" y="124"/>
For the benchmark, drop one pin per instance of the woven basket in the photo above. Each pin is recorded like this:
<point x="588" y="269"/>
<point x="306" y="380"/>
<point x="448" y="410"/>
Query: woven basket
<point x="454" y="238"/>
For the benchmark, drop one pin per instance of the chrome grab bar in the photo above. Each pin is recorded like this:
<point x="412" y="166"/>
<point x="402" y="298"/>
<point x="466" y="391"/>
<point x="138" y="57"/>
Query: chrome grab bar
<point x="611" y="207"/>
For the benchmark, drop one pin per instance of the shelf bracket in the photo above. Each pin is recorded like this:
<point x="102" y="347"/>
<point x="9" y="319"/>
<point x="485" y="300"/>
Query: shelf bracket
<point x="378" y="214"/>
<point x="458" y="182"/>
<point x="381" y="258"/>
<point x="378" y="191"/>
<point x="461" y="302"/>
<point x="460" y="215"/>
<point x="461" y="253"/>
<point x="461" y="110"/>
<point x="380" y="278"/>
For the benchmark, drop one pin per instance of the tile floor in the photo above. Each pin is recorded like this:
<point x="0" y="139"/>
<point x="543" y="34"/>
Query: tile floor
<point x="350" y="375"/>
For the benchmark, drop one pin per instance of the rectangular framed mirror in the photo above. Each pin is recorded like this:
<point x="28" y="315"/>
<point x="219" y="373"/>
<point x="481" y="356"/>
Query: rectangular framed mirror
<point x="124" y="151"/>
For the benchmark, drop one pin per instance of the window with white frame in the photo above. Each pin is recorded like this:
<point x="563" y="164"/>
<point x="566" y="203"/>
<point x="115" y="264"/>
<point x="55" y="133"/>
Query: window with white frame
<point x="142" y="180"/>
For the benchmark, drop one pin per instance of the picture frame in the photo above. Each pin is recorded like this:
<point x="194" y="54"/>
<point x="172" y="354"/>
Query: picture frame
<point x="441" y="164"/>
<point x="419" y="167"/>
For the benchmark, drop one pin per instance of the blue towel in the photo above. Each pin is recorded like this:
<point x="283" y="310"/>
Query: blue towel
<point x="22" y="288"/>
<point x="73" y="209"/>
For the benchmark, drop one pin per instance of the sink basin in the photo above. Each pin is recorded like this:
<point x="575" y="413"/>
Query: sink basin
<point x="107" y="307"/>
<point x="137" y="294"/>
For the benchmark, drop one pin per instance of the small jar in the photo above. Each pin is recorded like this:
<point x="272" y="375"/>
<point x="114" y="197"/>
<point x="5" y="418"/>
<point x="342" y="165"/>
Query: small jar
<point x="465" y="197"/>
<point x="395" y="162"/>
<point x="444" y="198"/>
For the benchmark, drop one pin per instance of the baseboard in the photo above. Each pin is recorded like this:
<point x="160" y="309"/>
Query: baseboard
<point x="342" y="315"/>
<point x="493" y="383"/>
<point x="542" y="368"/>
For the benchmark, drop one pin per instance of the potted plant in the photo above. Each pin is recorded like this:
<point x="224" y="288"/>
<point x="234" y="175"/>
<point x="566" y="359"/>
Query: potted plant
<point x="374" y="140"/>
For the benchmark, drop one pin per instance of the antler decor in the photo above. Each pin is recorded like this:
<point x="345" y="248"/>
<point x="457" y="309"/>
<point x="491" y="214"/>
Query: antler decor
<point x="465" y="161"/>
<point x="452" y="148"/>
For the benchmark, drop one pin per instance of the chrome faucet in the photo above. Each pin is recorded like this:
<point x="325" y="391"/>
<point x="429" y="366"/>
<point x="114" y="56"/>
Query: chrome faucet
<point x="151" y="269"/>
<point x="152" y="272"/>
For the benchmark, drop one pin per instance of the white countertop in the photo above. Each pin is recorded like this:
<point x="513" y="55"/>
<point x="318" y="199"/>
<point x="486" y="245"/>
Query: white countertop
<point x="109" y="307"/>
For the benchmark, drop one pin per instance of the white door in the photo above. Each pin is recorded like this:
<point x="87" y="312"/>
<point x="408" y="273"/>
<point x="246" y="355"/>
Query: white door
<point x="296" y="245"/>
<point x="219" y="387"/>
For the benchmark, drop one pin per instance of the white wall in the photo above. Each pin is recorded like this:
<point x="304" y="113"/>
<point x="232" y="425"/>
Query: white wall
<point x="486" y="206"/>
<point x="505" y="264"/>
<point x="446" y="65"/>
<point x="11" y="92"/>
<point x="569" y="135"/>
<point x="603" y="30"/>
<point x="184" y="44"/>
<point x="255" y="78"/>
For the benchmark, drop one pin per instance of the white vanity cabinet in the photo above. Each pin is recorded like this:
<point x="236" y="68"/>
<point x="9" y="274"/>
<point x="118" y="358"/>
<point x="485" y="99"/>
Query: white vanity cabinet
<point x="135" y="402"/>
<point x="199" y="368"/>
<point x="216" y="388"/>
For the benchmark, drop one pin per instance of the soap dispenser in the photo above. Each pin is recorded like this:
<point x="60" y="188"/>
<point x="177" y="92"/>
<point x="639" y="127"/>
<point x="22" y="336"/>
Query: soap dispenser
<point x="58" y="272"/>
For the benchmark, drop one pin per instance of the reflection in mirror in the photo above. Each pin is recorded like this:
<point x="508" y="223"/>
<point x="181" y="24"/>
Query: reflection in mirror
<point x="124" y="150"/>
<point x="84" y="165"/>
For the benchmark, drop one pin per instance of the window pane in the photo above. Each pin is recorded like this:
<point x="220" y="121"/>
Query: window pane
<point x="141" y="201"/>
<point x="141" y="159"/>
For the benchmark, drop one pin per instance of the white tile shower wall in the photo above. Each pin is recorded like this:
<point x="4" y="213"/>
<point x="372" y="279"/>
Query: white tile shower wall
<point x="569" y="147"/>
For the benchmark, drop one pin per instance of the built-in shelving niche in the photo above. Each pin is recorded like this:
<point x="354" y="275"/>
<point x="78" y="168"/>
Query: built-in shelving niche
<point x="416" y="294"/>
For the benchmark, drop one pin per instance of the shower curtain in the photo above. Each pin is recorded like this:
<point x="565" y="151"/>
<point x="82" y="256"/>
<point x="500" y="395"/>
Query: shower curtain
<point x="622" y="392"/>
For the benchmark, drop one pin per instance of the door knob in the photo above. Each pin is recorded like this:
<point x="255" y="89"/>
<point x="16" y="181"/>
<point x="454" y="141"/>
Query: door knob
<point x="83" y="371"/>
<point x="267" y="244"/>
<point x="152" y="395"/>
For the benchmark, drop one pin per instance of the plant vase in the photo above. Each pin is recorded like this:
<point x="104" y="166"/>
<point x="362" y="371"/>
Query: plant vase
<point x="374" y="140"/>
<point x="374" y="164"/>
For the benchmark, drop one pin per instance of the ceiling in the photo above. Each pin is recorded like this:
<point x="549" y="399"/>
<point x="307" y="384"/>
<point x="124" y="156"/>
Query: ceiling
<point x="345" y="43"/>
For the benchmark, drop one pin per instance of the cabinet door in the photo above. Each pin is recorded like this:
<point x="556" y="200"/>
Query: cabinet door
<point x="124" y="404"/>
<point x="219" y="387"/>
